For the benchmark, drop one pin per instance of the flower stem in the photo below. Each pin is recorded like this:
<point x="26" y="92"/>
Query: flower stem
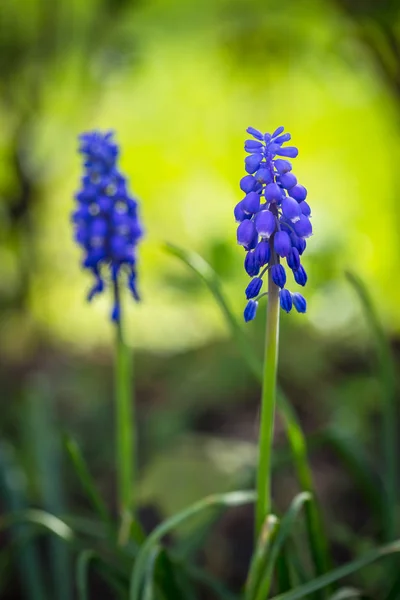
<point x="263" y="505"/>
<point x="125" y="434"/>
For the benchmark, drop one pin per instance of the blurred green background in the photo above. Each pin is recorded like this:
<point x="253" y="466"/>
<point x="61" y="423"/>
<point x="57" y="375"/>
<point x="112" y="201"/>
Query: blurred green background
<point x="179" y="81"/>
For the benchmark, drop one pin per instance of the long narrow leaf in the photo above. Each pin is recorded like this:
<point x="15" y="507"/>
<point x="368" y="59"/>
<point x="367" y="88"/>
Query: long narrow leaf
<point x="266" y="537"/>
<point x="323" y="581"/>
<point x="82" y="571"/>
<point x="41" y="519"/>
<point x="149" y="584"/>
<point x="86" y="480"/>
<point x="316" y="534"/>
<point x="44" y="447"/>
<point x="285" y="530"/>
<point x="387" y="375"/>
<point x="13" y="494"/>
<point x="227" y="500"/>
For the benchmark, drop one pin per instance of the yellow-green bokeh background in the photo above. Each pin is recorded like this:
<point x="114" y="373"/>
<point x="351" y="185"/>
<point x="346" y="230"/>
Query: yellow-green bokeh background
<point x="187" y="81"/>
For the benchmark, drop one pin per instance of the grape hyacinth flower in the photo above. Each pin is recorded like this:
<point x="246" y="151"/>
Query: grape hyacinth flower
<point x="106" y="220"/>
<point x="274" y="218"/>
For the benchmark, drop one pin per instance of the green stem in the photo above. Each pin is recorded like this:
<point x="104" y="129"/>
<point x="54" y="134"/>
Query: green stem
<point x="125" y="434"/>
<point x="263" y="506"/>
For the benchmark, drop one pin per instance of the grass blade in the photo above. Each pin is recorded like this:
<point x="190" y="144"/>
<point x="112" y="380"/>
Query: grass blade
<point x="82" y="570"/>
<point x="265" y="539"/>
<point x="387" y="375"/>
<point x="283" y="575"/>
<point x="87" y="482"/>
<point x="227" y="500"/>
<point x="285" y="530"/>
<point x="13" y="494"/>
<point x="44" y="447"/>
<point x="40" y="518"/>
<point x="316" y="534"/>
<point x="149" y="584"/>
<point x="327" y="579"/>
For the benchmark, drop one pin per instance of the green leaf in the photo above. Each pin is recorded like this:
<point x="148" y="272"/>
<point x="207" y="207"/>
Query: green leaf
<point x="87" y="482"/>
<point x="82" y="569"/>
<point x="41" y="518"/>
<point x="316" y="534"/>
<point x="323" y="581"/>
<point x="149" y="584"/>
<point x="283" y="574"/>
<point x="13" y="494"/>
<point x="86" y="557"/>
<point x="285" y="530"/>
<point x="139" y="569"/>
<point x="44" y="449"/>
<point x="265" y="539"/>
<point x="387" y="376"/>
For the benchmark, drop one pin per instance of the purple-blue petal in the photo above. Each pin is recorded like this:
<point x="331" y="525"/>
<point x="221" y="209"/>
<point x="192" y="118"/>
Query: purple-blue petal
<point x="293" y="259"/>
<point x="290" y="151"/>
<point x="298" y="192"/>
<point x="285" y="299"/>
<point x="255" y="132"/>
<point x="291" y="209"/>
<point x="278" y="274"/>
<point x="262" y="253"/>
<point x="246" y="232"/>
<point x="248" y="183"/>
<point x="252" y="162"/>
<point x="265" y="223"/>
<point x="250" y="311"/>
<point x="300" y="275"/>
<point x="303" y="227"/>
<point x="299" y="302"/>
<point x="273" y="192"/>
<point x="282" y="244"/>
<point x="251" y="203"/>
<point x="288" y="180"/>
<point x="253" y="288"/>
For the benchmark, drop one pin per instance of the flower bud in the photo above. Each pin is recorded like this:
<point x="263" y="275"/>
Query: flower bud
<point x="282" y="245"/>
<point x="246" y="232"/>
<point x="289" y="151"/>
<point x="285" y="299"/>
<point x="251" y="203"/>
<point x="293" y="259"/>
<point x="291" y="209"/>
<point x="288" y="180"/>
<point x="300" y="275"/>
<point x="265" y="223"/>
<point x="303" y="227"/>
<point x="299" y="302"/>
<point x="278" y="275"/>
<point x="253" y="288"/>
<point x="298" y="192"/>
<point x="251" y="264"/>
<point x="248" y="183"/>
<point x="250" y="310"/>
<point x="252" y="162"/>
<point x="262" y="253"/>
<point x="282" y="165"/>
<point x="273" y="192"/>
